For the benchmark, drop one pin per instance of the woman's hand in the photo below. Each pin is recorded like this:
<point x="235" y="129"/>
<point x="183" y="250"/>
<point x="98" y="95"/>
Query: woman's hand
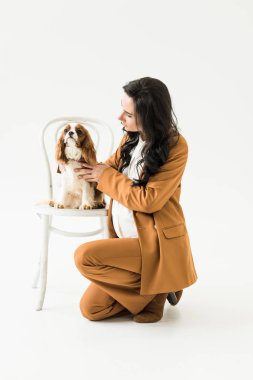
<point x="91" y="173"/>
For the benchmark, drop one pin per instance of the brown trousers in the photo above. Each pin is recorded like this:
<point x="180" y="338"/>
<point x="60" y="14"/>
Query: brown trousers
<point x="113" y="266"/>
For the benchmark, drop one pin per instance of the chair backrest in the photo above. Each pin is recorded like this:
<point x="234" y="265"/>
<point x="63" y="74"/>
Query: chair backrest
<point x="50" y="134"/>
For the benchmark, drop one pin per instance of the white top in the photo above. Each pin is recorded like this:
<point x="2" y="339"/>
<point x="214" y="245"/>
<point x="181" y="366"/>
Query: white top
<point x="122" y="217"/>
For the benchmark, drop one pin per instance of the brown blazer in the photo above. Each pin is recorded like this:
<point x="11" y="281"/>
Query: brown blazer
<point x="167" y="263"/>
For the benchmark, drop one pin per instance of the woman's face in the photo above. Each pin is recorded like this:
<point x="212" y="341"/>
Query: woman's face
<point x="128" y="115"/>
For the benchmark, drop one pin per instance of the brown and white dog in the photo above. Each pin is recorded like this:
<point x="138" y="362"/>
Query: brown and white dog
<point x="74" y="147"/>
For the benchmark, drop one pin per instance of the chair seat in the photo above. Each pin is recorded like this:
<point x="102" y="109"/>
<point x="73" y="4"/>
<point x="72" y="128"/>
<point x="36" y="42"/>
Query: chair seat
<point x="44" y="209"/>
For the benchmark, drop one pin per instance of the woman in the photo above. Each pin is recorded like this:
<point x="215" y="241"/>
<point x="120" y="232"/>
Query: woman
<point x="147" y="258"/>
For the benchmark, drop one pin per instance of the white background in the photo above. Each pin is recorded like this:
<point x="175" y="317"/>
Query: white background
<point x="62" y="58"/>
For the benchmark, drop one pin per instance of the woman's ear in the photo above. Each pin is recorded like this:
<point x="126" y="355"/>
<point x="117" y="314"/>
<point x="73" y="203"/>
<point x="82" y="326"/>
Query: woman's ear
<point x="88" y="150"/>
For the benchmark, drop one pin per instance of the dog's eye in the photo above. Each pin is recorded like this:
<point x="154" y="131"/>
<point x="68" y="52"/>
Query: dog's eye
<point x="79" y="132"/>
<point x="66" y="130"/>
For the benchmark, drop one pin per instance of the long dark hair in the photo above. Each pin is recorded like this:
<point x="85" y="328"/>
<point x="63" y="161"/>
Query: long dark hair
<point x="153" y="110"/>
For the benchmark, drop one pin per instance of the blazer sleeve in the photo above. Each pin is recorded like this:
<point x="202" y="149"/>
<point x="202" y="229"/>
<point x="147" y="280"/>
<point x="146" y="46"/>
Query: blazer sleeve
<point x="160" y="187"/>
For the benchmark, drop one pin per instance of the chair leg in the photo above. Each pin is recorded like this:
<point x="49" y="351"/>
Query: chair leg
<point x="37" y="275"/>
<point x="43" y="260"/>
<point x="36" y="278"/>
<point x="105" y="232"/>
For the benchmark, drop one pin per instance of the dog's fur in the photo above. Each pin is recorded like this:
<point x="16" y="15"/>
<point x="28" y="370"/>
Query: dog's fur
<point x="73" y="147"/>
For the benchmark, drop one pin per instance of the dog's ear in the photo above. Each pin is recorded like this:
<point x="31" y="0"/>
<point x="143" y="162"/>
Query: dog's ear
<point x="88" y="149"/>
<point x="60" y="151"/>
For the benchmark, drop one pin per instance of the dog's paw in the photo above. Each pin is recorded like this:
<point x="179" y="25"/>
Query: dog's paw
<point x="58" y="205"/>
<point x="85" y="207"/>
<point x="55" y="204"/>
<point x="99" y="205"/>
<point x="51" y="203"/>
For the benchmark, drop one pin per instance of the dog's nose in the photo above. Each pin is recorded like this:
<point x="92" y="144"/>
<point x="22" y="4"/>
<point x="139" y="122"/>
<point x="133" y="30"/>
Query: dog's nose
<point x="71" y="133"/>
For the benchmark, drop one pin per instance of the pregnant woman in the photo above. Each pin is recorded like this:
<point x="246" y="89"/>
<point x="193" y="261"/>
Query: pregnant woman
<point x="147" y="257"/>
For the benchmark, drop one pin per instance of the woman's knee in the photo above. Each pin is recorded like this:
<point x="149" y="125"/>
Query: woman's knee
<point x="82" y="254"/>
<point x="89" y="313"/>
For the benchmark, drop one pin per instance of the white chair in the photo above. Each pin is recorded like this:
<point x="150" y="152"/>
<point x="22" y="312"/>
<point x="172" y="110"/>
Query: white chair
<point x="46" y="212"/>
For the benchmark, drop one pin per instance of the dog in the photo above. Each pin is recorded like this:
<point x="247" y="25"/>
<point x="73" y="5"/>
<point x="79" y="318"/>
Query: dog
<point x="74" y="147"/>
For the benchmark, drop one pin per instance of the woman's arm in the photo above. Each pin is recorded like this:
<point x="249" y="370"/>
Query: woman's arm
<point x="92" y="173"/>
<point x="160" y="187"/>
